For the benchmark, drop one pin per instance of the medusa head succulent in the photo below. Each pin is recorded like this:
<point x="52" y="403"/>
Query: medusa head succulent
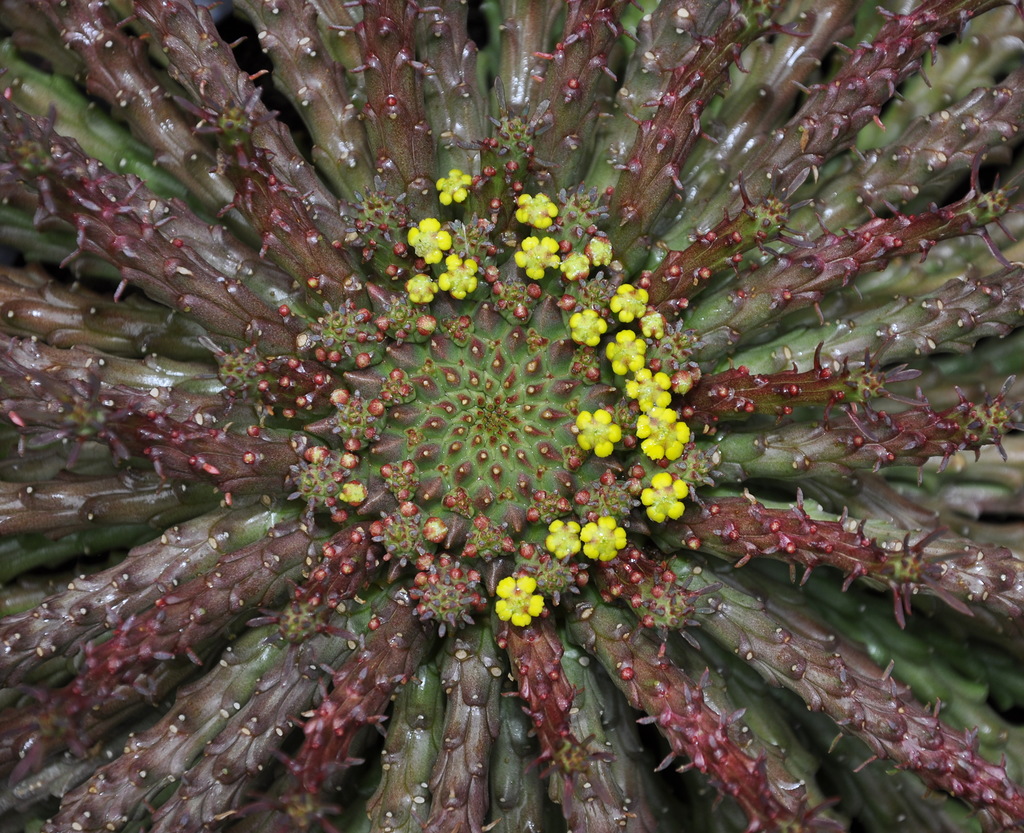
<point x="511" y="416"/>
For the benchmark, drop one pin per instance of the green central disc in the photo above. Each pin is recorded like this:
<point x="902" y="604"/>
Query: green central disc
<point x="492" y="420"/>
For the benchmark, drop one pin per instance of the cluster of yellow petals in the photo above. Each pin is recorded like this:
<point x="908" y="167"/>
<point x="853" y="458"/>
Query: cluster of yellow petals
<point x="662" y="436"/>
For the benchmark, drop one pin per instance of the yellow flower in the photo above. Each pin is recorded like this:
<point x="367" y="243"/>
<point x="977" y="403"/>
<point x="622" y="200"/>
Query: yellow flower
<point x="536" y="211"/>
<point x="652" y="325"/>
<point x="629" y="302"/>
<point x="597" y="432"/>
<point x="459" y="277"/>
<point x="563" y="539"/>
<point x="352" y="493"/>
<point x="599" y="250"/>
<point x="603" y="540"/>
<point x="663" y="437"/>
<point x="626" y="353"/>
<point x="537" y="255"/>
<point x="650" y="390"/>
<point x="664" y="497"/>
<point x="421" y="289"/>
<point x="453" y="187"/>
<point x="429" y="241"/>
<point x="517" y="601"/>
<point x="587" y="327"/>
<point x="575" y="267"/>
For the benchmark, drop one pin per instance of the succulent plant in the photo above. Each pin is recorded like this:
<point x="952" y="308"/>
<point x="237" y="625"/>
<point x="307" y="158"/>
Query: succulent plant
<point x="511" y="416"/>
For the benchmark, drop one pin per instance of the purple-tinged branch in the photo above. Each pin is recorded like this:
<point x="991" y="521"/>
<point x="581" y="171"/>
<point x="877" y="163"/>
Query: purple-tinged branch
<point x="452" y="99"/>
<point x="652" y="683"/>
<point x="836" y="110"/>
<point x="471" y="676"/>
<point x="117" y="69"/>
<point x="802" y="277"/>
<point x="92" y="604"/>
<point x="317" y="87"/>
<point x="960" y="573"/>
<point x="931" y="154"/>
<point x="535" y="653"/>
<point x="361" y="690"/>
<point x="32" y="304"/>
<point x="651" y="169"/>
<point x="866" y="438"/>
<point x="771" y="629"/>
<point x="118" y="218"/>
<point x="396" y="122"/>
<point x="575" y="76"/>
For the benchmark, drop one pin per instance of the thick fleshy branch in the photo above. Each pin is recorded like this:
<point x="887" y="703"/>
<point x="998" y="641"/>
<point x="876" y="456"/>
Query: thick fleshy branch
<point x="836" y="110"/>
<point x="185" y="616"/>
<point x="736" y="393"/>
<point x="101" y="601"/>
<point x="115" y="67"/>
<point x="650" y="170"/>
<point x="276" y="190"/>
<point x="535" y="652"/>
<point x="527" y="30"/>
<point x="802" y="277"/>
<point x="959" y="572"/>
<point x="361" y="690"/>
<point x="411" y="745"/>
<point x="33" y="304"/>
<point x="396" y="122"/>
<point x="652" y="683"/>
<point x="868" y="439"/>
<point x="575" y="76"/>
<point x="453" y="102"/>
<point x="683" y="273"/>
<point x="118" y="218"/>
<point x="770" y="628"/>
<point x="212" y="739"/>
<point x="317" y="88"/>
<point x="471" y="675"/>
<point x="964" y="311"/>
<point x="75" y="503"/>
<point x="251" y="463"/>
<point x="606" y="800"/>
<point x="931" y="153"/>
